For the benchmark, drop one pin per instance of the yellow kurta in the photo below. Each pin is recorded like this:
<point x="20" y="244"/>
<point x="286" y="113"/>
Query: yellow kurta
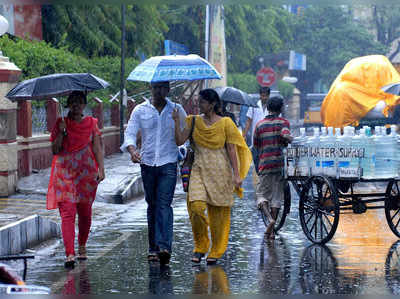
<point x="211" y="177"/>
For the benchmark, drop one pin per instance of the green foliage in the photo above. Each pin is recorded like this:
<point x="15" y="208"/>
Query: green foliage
<point x="39" y="58"/>
<point x="285" y="89"/>
<point x="244" y="82"/>
<point x="95" y="30"/>
<point x="186" y="26"/>
<point x="330" y="38"/>
<point x="87" y="39"/>
<point x="252" y="31"/>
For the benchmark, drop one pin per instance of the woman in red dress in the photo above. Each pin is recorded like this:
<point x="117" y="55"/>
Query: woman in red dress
<point x="77" y="169"/>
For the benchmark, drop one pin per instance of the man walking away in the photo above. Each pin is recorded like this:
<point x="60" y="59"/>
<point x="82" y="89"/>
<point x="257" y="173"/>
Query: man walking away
<point x="271" y="135"/>
<point x="254" y="115"/>
<point x="158" y="161"/>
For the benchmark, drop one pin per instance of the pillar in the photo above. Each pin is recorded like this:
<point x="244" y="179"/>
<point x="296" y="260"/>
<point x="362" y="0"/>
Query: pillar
<point x="9" y="75"/>
<point x="51" y="113"/>
<point x="98" y="112"/>
<point x="24" y="119"/>
<point x="24" y="129"/>
<point x="115" y="113"/>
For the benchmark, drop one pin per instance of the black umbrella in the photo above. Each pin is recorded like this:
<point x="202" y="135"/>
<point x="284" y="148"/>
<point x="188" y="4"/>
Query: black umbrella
<point x="235" y="96"/>
<point x="393" y="88"/>
<point x="54" y="85"/>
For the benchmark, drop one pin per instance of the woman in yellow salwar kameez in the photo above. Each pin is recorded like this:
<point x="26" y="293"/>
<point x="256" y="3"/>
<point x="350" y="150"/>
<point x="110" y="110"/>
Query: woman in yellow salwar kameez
<point x="222" y="160"/>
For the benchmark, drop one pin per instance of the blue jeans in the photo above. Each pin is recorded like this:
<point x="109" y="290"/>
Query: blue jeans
<point x="159" y="186"/>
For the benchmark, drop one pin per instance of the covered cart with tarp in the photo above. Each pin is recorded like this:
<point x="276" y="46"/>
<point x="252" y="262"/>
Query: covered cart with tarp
<point x="365" y="85"/>
<point x="357" y="91"/>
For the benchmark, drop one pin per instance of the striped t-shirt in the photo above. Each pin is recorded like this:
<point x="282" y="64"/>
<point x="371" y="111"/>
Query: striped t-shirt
<point x="269" y="142"/>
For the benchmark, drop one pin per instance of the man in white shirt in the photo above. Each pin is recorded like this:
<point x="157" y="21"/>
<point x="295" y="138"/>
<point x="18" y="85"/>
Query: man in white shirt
<point x="158" y="161"/>
<point x="254" y="115"/>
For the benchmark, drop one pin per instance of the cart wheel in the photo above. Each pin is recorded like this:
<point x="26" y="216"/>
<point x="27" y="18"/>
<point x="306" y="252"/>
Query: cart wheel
<point x="280" y="220"/>
<point x="392" y="207"/>
<point x="319" y="209"/>
<point x="318" y="271"/>
<point x="392" y="268"/>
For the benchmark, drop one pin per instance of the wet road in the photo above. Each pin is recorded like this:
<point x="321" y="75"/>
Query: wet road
<point x="362" y="258"/>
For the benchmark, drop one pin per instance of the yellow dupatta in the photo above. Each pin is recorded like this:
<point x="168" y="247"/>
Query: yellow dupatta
<point x="217" y="135"/>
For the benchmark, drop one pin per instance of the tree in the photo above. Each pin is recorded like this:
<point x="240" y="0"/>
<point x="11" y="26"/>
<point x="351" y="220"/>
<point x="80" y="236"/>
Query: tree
<point x="246" y="82"/>
<point x="94" y="30"/>
<point x="386" y="20"/>
<point x="252" y="31"/>
<point x="40" y="58"/>
<point x="257" y="29"/>
<point x="329" y="37"/>
<point x="186" y="26"/>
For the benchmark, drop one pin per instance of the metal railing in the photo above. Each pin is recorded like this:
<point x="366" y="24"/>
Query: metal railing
<point x="39" y="120"/>
<point x="107" y="117"/>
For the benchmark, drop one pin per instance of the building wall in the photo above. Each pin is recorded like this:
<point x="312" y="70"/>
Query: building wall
<point x="34" y="153"/>
<point x="25" y="21"/>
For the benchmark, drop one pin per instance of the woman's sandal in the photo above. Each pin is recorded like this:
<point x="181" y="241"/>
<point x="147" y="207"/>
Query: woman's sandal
<point x="197" y="256"/>
<point x="152" y="257"/>
<point x="82" y="253"/>
<point x="70" y="262"/>
<point x="211" y="261"/>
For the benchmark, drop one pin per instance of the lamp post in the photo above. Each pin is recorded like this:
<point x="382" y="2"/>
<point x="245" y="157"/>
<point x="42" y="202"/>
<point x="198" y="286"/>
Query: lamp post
<point x="122" y="77"/>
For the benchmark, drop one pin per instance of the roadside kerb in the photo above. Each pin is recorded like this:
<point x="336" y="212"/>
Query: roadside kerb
<point x="30" y="231"/>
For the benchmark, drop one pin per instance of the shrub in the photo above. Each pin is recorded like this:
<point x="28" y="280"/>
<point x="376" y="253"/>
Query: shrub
<point x="39" y="58"/>
<point x="285" y="89"/>
<point x="244" y="82"/>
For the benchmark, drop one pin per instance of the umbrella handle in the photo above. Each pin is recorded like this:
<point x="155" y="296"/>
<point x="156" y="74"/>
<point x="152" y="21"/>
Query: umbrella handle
<point x="61" y="111"/>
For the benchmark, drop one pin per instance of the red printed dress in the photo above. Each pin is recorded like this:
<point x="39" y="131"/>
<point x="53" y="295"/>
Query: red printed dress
<point x="74" y="170"/>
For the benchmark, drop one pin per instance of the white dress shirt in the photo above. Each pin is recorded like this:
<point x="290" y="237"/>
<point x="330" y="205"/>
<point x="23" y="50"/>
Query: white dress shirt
<point x="256" y="114"/>
<point x="158" y="133"/>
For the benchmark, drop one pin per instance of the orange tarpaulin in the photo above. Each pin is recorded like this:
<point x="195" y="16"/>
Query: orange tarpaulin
<point x="357" y="90"/>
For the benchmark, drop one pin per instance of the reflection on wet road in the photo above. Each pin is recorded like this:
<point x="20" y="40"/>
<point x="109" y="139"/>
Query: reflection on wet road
<point x="362" y="258"/>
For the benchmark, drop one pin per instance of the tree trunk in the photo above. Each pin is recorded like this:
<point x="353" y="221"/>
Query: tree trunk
<point x="397" y="51"/>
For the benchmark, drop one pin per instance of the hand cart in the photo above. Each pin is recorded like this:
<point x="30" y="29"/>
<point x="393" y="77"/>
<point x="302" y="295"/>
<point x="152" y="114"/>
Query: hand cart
<point x="323" y="197"/>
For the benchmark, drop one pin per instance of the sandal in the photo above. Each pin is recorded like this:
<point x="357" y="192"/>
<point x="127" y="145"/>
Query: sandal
<point x="164" y="257"/>
<point x="197" y="256"/>
<point x="152" y="257"/>
<point x="82" y="253"/>
<point x="211" y="261"/>
<point x="70" y="262"/>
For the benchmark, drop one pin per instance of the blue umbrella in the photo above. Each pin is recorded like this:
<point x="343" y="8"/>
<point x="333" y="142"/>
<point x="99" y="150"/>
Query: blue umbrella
<point x="174" y="68"/>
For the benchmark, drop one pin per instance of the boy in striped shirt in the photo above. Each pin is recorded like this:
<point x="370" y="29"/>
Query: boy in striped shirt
<point x="271" y="135"/>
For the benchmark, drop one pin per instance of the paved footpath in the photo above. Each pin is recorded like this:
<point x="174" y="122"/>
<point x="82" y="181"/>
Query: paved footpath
<point x="122" y="183"/>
